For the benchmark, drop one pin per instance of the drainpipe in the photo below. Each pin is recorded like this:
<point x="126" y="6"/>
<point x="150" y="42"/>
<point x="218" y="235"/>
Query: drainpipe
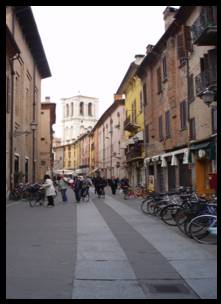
<point x="145" y="143"/>
<point x="33" y="129"/>
<point x="11" y="170"/>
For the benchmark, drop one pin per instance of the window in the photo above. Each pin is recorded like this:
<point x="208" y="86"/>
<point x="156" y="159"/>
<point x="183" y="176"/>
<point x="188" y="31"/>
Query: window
<point x="164" y="68"/>
<point x="192" y="129"/>
<point x="81" y="108"/>
<point x="214" y="120"/>
<point x="67" y="110"/>
<point x="167" y="120"/>
<point x="134" y="118"/>
<point x="145" y="94"/>
<point x="72" y="109"/>
<point x="159" y="84"/>
<point x="26" y="170"/>
<point x="141" y="101"/>
<point x="161" y="128"/>
<point x="8" y="94"/>
<point x="191" y="88"/>
<point x="147" y="133"/>
<point x="90" y="109"/>
<point x="183" y="115"/>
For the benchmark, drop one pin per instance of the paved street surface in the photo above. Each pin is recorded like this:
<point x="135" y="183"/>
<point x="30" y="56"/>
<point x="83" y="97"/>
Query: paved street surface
<point x="103" y="249"/>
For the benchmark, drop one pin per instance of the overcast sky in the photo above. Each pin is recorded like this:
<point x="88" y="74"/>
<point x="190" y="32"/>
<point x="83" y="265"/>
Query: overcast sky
<point x="89" y="48"/>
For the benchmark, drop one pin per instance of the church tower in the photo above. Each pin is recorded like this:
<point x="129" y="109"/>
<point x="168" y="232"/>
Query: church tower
<point x="80" y="114"/>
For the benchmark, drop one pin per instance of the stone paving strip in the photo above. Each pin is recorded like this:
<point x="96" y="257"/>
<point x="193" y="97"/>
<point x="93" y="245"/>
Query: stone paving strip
<point x="102" y="268"/>
<point x="196" y="263"/>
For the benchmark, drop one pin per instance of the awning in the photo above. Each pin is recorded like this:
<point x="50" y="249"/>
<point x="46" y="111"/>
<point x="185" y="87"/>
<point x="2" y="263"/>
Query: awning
<point x="174" y="162"/>
<point x="208" y="146"/>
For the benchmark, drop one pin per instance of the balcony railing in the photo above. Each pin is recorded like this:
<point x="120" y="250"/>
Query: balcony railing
<point x="129" y="125"/>
<point x="205" y="79"/>
<point x="204" y="29"/>
<point x="135" y="151"/>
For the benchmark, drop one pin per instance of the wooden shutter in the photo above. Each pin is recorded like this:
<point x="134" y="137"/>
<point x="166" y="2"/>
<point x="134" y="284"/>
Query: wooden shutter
<point x="161" y="127"/>
<point x="145" y="93"/>
<point x="167" y="120"/>
<point x="147" y="133"/>
<point x="180" y="46"/>
<point x="159" y="88"/>
<point x="188" y="39"/>
<point x="191" y="88"/>
<point x="164" y="68"/>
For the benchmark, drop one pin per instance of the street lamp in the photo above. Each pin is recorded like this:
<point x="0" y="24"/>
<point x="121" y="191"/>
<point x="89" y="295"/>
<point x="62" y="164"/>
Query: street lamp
<point x="209" y="96"/>
<point x="33" y="125"/>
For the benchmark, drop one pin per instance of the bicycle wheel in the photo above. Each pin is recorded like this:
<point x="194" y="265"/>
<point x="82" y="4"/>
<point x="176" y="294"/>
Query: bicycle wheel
<point x="203" y="229"/>
<point x="182" y="218"/>
<point x="145" y="206"/>
<point x="168" y="214"/>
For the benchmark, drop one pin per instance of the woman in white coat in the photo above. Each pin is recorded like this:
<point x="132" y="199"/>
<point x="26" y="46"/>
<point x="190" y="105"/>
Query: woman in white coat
<point x="49" y="190"/>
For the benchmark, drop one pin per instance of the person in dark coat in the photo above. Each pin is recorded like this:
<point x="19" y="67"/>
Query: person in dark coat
<point x="78" y="188"/>
<point x="113" y="184"/>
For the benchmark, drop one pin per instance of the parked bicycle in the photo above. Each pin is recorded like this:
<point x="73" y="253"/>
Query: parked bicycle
<point x="37" y="195"/>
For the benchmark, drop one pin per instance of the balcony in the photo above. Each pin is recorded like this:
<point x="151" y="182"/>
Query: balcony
<point x="130" y="126"/>
<point x="204" y="29"/>
<point x="134" y="152"/>
<point x="205" y="79"/>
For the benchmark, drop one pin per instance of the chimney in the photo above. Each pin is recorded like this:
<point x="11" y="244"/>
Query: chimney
<point x="149" y="48"/>
<point x="47" y="99"/>
<point x="138" y="59"/>
<point x="168" y="16"/>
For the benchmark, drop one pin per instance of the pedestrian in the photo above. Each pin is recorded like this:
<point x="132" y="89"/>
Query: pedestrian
<point x="78" y="188"/>
<point x="113" y="184"/>
<point x="62" y="187"/>
<point x="100" y="183"/>
<point x="49" y="190"/>
<point x="124" y="184"/>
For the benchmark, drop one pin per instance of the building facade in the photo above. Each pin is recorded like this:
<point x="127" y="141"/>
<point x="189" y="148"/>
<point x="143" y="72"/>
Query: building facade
<point x="174" y="114"/>
<point x="203" y="116"/>
<point x="131" y="87"/>
<point x="110" y="151"/>
<point x="47" y="119"/>
<point x="79" y="115"/>
<point x="23" y="84"/>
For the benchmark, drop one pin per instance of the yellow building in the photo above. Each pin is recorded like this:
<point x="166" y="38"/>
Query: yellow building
<point x="134" y="123"/>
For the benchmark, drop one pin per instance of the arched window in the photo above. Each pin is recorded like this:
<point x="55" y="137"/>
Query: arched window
<point x="67" y="110"/>
<point x="81" y="108"/>
<point x="72" y="109"/>
<point x="90" y="109"/>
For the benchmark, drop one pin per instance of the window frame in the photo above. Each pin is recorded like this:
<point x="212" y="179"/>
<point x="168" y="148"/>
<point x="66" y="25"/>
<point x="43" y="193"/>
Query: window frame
<point x="160" y="126"/>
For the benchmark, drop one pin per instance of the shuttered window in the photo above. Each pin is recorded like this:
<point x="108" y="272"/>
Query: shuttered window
<point x="147" y="133"/>
<point x="183" y="115"/>
<point x="159" y="81"/>
<point x="161" y="128"/>
<point x="191" y="88"/>
<point x="167" y="121"/>
<point x="214" y="120"/>
<point x="145" y="94"/>
<point x="8" y="95"/>
<point x="192" y="129"/>
<point x="164" y="68"/>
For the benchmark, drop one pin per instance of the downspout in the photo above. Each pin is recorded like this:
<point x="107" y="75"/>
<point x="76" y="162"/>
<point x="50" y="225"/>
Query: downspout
<point x="12" y="114"/>
<point x="145" y="142"/>
<point x="33" y="129"/>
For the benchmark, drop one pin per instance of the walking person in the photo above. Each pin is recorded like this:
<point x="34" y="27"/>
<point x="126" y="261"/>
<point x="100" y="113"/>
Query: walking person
<point x="78" y="188"/>
<point x="62" y="187"/>
<point x="124" y="184"/>
<point x="49" y="190"/>
<point x="113" y="184"/>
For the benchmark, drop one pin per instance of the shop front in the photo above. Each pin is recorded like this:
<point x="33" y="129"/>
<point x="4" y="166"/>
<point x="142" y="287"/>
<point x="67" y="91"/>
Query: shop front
<point x="203" y="158"/>
<point x="170" y="170"/>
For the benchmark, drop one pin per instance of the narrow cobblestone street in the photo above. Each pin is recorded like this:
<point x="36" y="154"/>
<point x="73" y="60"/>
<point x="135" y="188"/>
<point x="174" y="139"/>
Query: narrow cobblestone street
<point x="103" y="249"/>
